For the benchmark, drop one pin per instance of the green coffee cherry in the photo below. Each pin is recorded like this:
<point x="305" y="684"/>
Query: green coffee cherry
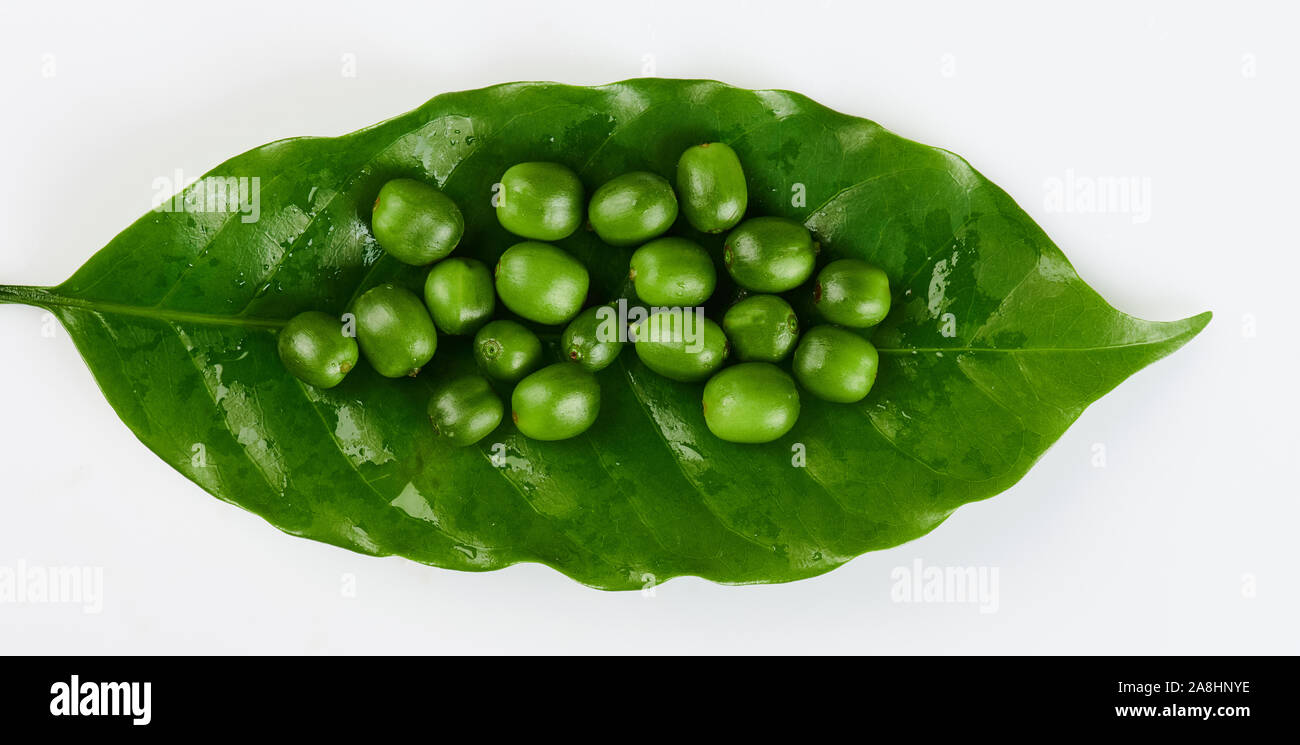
<point x="592" y="339"/>
<point x="852" y="293"/>
<point x="711" y="186"/>
<point x="836" y="364"/>
<point x="632" y="208"/>
<point x="541" y="282"/>
<point x="761" y="328"/>
<point x="507" y="350"/>
<point x="680" y="345"/>
<point x="394" y="330"/>
<point x="750" y="403"/>
<point x="465" y="410"/>
<point x="673" y="271"/>
<point x="460" y="295"/>
<point x="314" y="349"/>
<point x="556" y="402"/>
<point x="542" y="201"/>
<point x="770" y="254"/>
<point x="415" y="222"/>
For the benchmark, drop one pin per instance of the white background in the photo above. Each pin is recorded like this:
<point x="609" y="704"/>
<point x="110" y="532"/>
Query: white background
<point x="1185" y="542"/>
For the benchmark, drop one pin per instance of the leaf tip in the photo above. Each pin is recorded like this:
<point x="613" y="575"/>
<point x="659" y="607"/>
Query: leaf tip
<point x="1193" y="325"/>
<point x="1185" y="330"/>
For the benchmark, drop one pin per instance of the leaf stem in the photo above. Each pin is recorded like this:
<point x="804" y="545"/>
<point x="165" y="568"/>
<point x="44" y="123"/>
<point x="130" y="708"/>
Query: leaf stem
<point x="23" y="295"/>
<point x="49" y="297"/>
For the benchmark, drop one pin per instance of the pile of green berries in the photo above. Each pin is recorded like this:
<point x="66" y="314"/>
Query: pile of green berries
<point x="751" y="402"/>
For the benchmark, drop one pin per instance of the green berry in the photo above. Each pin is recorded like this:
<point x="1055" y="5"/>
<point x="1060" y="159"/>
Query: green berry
<point x="394" y="330"/>
<point x="416" y="223"/>
<point x="680" y="345"/>
<point x="556" y="402"/>
<point x="542" y="283"/>
<point x="465" y="410"/>
<point x="506" y="350"/>
<point x="673" y="271"/>
<point x="592" y="339"/>
<point x="541" y="201"/>
<point x="315" y="350"/>
<point x="750" y="403"/>
<point x="632" y="208"/>
<point x="836" y="364"/>
<point x="460" y="295"/>
<point x="769" y="254"/>
<point x="761" y="328"/>
<point x="711" y="186"/>
<point x="852" y="293"/>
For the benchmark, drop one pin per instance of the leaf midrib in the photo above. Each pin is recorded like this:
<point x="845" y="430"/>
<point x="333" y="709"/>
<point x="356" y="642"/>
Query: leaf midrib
<point x="46" y="297"/>
<point x="1017" y="350"/>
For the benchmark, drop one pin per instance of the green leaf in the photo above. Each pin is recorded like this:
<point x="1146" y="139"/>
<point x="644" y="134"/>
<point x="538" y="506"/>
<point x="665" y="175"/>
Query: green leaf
<point x="994" y="346"/>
